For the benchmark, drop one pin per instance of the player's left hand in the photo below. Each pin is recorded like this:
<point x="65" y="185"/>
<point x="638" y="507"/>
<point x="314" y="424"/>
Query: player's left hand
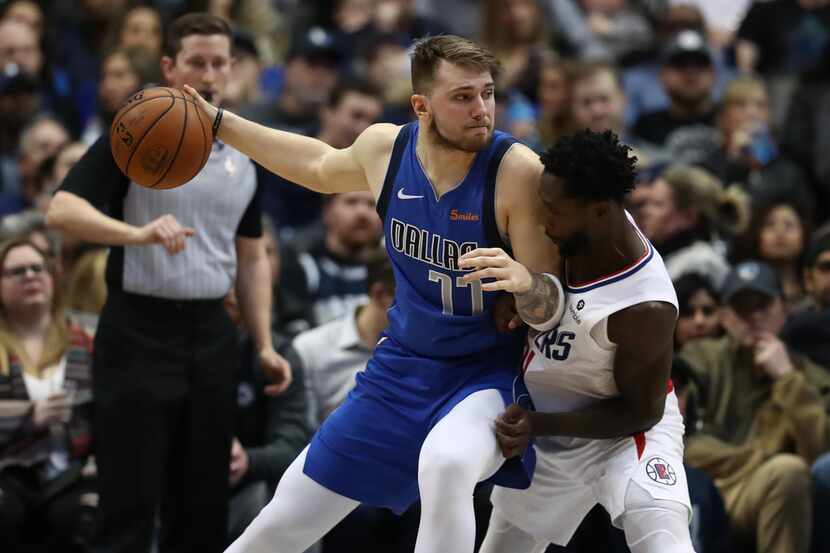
<point x="276" y="369"/>
<point x="209" y="109"/>
<point x="508" y="274"/>
<point x="513" y="431"/>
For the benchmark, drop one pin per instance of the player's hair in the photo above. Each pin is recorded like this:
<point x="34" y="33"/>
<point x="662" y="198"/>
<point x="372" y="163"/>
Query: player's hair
<point x="593" y="166"/>
<point x="589" y="69"/>
<point x="428" y="52"/>
<point x="356" y="86"/>
<point x="379" y="269"/>
<point x="197" y="23"/>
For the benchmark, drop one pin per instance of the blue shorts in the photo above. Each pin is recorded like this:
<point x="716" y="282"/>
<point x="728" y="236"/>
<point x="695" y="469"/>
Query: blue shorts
<point x="368" y="448"/>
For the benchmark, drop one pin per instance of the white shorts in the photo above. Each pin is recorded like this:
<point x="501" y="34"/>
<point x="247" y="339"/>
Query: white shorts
<point x="573" y="475"/>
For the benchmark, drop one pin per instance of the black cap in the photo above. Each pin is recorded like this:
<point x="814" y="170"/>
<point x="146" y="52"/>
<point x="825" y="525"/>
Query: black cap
<point x="315" y="43"/>
<point x="685" y="45"/>
<point x="819" y="245"/>
<point x="751" y="275"/>
<point x="14" y="79"/>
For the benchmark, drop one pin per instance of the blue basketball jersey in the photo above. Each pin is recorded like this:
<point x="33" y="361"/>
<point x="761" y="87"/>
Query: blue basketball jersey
<point x="435" y="313"/>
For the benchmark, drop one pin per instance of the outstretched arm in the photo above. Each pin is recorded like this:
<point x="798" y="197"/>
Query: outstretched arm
<point x="643" y="334"/>
<point x="307" y="161"/>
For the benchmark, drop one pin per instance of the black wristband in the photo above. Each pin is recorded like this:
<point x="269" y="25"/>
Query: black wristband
<point x="217" y="121"/>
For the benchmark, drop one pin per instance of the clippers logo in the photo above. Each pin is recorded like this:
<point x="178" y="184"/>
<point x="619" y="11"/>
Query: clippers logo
<point x="661" y="472"/>
<point x="456" y="215"/>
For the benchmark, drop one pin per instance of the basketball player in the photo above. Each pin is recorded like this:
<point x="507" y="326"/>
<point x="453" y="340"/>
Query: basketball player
<point x="445" y="185"/>
<point x="608" y="426"/>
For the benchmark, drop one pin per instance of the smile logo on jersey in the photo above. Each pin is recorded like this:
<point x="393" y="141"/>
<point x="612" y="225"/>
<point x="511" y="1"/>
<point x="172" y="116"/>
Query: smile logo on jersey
<point x="661" y="472"/>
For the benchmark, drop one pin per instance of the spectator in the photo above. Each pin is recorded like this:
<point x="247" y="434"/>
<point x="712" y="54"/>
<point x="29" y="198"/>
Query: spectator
<point x="352" y="106"/>
<point x="45" y="401"/>
<point x="779" y="40"/>
<point x="598" y="99"/>
<point x="86" y="286"/>
<point x="332" y="354"/>
<point x="777" y="235"/>
<point x="688" y="77"/>
<point x="616" y="30"/>
<point x="783" y="36"/>
<point x="388" y="68"/>
<point x="555" y="93"/>
<point x="806" y="131"/>
<point x="680" y="212"/>
<point x="244" y="87"/>
<point x="39" y="141"/>
<point x="747" y="152"/>
<point x="123" y="71"/>
<point x="332" y="280"/>
<point x="310" y="73"/>
<point x="516" y="31"/>
<point x="269" y="432"/>
<point x="139" y="27"/>
<point x="808" y="329"/>
<point x="764" y="415"/>
<point x="27" y="12"/>
<point x="709" y="527"/>
<point x="165" y="349"/>
<point x="698" y="309"/>
<point x="260" y="19"/>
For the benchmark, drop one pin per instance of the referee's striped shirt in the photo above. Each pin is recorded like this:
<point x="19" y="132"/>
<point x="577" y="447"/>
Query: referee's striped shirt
<point x="221" y="203"/>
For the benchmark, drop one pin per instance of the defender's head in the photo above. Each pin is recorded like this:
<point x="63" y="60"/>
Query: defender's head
<point x="586" y="177"/>
<point x="453" y="85"/>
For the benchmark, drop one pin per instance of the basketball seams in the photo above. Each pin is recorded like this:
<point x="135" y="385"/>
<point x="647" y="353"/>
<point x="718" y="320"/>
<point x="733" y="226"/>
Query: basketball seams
<point x="163" y="134"/>
<point x="179" y="146"/>
<point x="147" y="131"/>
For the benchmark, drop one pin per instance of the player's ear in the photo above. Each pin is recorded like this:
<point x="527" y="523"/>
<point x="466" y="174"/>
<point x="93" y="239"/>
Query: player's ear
<point x="420" y="105"/>
<point x="601" y="208"/>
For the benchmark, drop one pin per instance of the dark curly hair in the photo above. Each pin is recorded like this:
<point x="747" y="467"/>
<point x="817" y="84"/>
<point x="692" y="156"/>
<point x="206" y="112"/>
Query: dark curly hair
<point x="593" y="166"/>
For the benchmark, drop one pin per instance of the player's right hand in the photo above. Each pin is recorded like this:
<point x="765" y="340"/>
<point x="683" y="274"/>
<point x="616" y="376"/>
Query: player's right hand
<point x="166" y="231"/>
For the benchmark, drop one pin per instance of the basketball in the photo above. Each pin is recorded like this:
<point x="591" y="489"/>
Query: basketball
<point x="160" y="138"/>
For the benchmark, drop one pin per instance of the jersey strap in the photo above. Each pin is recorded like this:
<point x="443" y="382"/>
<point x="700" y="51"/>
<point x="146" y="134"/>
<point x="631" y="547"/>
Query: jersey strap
<point x="392" y="171"/>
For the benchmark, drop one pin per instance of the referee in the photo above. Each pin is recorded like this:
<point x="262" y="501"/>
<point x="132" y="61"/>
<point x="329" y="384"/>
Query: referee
<point x="165" y="351"/>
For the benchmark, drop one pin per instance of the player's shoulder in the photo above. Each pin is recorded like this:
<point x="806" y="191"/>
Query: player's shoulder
<point x="520" y="160"/>
<point x="377" y="138"/>
<point x="642" y="322"/>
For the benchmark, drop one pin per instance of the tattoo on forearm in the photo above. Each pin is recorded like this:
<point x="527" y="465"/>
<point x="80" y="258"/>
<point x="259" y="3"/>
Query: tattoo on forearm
<point x="537" y="305"/>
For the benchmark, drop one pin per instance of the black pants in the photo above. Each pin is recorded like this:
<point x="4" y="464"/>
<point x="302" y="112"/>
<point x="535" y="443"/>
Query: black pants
<point x="163" y="381"/>
<point x="33" y="522"/>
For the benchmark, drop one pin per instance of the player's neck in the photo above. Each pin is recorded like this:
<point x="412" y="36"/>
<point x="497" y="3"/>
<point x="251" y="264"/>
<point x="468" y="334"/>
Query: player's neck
<point x="445" y="167"/>
<point x="606" y="253"/>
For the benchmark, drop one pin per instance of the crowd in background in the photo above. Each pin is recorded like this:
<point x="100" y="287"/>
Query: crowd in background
<point x="726" y="105"/>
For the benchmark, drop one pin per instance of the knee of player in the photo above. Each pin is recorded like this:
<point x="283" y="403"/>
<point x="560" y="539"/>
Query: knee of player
<point x="441" y="466"/>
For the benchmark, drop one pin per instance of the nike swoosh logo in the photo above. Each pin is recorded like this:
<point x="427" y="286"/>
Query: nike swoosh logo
<point x="404" y="196"/>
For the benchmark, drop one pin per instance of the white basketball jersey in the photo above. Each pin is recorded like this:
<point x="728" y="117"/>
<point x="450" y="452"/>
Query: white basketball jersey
<point x="572" y="365"/>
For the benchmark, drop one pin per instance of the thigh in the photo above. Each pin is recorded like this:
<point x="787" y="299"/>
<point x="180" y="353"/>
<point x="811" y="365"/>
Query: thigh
<point x="655" y="525"/>
<point x="465" y="436"/>
<point x="505" y="537"/>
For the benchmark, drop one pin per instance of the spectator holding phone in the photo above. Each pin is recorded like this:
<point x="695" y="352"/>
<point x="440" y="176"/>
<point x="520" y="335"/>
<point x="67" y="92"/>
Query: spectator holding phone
<point x="748" y="152"/>
<point x="45" y="403"/>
